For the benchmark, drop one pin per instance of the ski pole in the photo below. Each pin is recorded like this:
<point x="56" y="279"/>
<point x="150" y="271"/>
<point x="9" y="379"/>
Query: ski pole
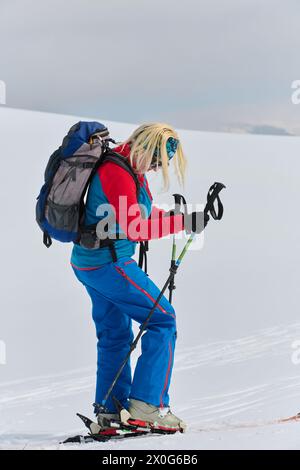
<point x="213" y="194"/>
<point x="179" y="199"/>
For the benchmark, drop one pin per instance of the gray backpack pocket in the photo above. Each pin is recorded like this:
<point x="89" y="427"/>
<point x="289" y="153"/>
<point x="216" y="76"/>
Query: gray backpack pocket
<point x="63" y="204"/>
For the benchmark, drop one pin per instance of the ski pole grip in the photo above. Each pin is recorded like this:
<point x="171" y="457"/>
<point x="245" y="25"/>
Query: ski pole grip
<point x="180" y="201"/>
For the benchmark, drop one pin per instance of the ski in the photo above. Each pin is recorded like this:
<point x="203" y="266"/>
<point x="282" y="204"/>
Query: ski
<point x="289" y="419"/>
<point x="245" y="425"/>
<point x="116" y="430"/>
<point x="100" y="437"/>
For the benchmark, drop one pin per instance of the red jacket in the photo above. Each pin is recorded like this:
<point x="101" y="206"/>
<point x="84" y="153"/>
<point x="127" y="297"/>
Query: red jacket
<point x="117" y="182"/>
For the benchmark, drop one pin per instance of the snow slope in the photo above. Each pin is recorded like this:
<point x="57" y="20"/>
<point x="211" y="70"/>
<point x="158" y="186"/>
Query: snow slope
<point x="236" y="298"/>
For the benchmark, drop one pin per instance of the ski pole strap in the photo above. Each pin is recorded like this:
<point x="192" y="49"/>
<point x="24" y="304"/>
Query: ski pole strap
<point x="212" y="196"/>
<point x="47" y="239"/>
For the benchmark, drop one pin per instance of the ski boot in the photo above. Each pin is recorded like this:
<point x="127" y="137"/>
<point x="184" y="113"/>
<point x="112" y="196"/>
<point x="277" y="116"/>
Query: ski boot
<point x="144" y="414"/>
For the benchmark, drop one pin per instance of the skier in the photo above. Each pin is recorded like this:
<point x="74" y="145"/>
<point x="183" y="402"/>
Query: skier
<point x="119" y="290"/>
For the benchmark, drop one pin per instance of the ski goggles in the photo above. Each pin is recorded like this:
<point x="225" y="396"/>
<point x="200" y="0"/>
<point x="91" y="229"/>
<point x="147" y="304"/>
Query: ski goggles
<point x="171" y="146"/>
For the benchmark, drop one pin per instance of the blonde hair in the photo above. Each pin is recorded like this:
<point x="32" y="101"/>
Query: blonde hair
<point x="143" y="143"/>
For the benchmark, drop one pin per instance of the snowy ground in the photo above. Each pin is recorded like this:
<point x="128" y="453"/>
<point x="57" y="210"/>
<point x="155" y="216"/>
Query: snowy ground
<point x="236" y="300"/>
<point x="228" y="417"/>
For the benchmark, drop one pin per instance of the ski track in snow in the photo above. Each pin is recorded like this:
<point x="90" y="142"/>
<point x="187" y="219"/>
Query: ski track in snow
<point x="269" y="342"/>
<point x="210" y="413"/>
<point x="228" y="391"/>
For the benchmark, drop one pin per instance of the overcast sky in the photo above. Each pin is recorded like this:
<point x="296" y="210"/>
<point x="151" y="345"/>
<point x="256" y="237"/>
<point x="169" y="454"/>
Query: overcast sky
<point x="198" y="64"/>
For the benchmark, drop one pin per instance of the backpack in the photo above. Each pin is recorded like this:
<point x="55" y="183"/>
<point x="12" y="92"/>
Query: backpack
<point x="60" y="204"/>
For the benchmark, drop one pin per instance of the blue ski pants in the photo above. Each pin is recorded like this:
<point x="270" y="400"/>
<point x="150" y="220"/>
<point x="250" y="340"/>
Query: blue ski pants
<point x="121" y="292"/>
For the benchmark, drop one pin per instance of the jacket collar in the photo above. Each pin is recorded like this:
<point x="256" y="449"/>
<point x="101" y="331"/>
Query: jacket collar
<point x="125" y="151"/>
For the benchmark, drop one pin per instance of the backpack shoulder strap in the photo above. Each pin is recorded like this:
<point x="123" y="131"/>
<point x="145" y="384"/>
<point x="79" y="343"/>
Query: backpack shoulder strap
<point x="110" y="155"/>
<point x="123" y="162"/>
<point x="115" y="157"/>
